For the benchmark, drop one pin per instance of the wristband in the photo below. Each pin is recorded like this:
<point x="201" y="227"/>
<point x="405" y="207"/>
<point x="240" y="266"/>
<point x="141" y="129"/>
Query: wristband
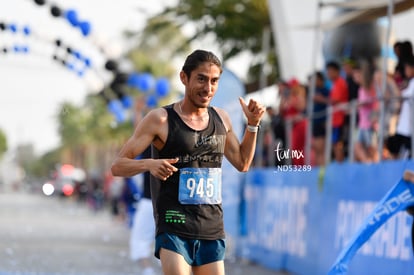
<point x="252" y="129"/>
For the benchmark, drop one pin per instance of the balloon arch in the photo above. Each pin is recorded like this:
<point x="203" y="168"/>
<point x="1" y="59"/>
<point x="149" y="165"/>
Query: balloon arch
<point x="118" y="101"/>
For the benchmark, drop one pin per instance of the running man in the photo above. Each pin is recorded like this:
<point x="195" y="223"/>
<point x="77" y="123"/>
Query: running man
<point x="190" y="139"/>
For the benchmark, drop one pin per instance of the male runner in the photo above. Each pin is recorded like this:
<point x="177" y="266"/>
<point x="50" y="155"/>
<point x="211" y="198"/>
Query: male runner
<point x="191" y="138"/>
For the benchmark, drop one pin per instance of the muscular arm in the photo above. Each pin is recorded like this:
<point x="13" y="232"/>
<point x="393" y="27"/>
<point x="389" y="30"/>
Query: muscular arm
<point x="151" y="130"/>
<point x="240" y="155"/>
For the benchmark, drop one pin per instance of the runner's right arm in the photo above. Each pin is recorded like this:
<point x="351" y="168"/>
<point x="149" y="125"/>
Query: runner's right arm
<point x="153" y="129"/>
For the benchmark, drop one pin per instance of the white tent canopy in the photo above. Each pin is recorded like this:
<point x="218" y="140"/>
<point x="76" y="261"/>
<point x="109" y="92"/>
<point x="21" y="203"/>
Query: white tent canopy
<point x="361" y="11"/>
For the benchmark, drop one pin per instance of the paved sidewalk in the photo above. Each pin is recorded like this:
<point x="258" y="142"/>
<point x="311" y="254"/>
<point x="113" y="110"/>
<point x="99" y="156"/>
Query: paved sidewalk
<point x="58" y="236"/>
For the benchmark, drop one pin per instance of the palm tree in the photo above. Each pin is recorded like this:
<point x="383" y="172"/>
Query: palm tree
<point x="237" y="26"/>
<point x="3" y="143"/>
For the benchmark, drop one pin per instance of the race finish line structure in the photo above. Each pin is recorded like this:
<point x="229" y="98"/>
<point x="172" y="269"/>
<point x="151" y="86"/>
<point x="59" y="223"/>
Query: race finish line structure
<point x="399" y="198"/>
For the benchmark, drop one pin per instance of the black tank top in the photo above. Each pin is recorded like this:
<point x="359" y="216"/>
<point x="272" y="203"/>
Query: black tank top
<point x="146" y="192"/>
<point x="199" y="149"/>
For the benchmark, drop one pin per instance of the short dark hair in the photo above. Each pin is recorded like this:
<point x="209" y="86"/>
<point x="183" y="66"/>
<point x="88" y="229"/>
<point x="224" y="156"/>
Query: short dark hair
<point x="397" y="44"/>
<point x="409" y="61"/>
<point x="333" y="65"/>
<point x="198" y="57"/>
<point x="407" y="49"/>
<point x="320" y="76"/>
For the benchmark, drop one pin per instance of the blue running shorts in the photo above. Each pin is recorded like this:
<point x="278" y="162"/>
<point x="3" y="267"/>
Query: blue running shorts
<point x="195" y="252"/>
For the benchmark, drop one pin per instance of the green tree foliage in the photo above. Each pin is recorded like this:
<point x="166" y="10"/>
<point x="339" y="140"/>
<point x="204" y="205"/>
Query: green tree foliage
<point x="89" y="135"/>
<point x="90" y="123"/>
<point x="46" y="163"/>
<point x="156" y="47"/>
<point x="237" y="26"/>
<point x="89" y="138"/>
<point x="157" y="44"/>
<point x="73" y="123"/>
<point x="3" y="143"/>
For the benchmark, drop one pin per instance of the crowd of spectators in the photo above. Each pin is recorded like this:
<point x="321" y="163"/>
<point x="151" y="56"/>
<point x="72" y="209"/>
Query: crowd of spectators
<point x="349" y="97"/>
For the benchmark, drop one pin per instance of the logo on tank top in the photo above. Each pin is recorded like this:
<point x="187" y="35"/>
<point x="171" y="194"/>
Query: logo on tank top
<point x="211" y="149"/>
<point x="214" y="141"/>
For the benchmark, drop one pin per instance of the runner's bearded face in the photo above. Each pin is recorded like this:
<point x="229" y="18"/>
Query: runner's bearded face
<point x="202" y="84"/>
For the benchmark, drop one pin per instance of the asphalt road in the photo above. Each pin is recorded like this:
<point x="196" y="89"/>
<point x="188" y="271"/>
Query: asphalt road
<point x="42" y="235"/>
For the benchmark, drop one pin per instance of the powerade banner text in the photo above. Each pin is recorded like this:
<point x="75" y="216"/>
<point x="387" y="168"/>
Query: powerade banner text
<point x="301" y="221"/>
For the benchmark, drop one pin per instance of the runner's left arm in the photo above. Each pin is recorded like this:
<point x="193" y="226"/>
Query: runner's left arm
<point x="240" y="155"/>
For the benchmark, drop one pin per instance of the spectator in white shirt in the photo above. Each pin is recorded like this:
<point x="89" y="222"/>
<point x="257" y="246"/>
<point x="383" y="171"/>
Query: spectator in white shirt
<point x="399" y="145"/>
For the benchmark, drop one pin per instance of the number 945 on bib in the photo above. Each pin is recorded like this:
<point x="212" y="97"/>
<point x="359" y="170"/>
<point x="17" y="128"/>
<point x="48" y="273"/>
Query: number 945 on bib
<point x="200" y="186"/>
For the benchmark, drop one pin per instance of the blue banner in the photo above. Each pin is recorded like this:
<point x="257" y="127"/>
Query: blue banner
<point x="302" y="221"/>
<point x="399" y="198"/>
<point x="351" y="192"/>
<point x="281" y="218"/>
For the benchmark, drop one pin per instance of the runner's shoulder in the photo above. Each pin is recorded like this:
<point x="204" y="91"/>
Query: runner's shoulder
<point x="224" y="117"/>
<point x="157" y="116"/>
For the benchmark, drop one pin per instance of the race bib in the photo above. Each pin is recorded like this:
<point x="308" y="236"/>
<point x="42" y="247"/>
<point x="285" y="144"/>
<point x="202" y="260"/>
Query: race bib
<point x="200" y="186"/>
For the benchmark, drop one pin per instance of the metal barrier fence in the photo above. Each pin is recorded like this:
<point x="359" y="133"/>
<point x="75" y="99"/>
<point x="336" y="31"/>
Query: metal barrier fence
<point x="351" y="110"/>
